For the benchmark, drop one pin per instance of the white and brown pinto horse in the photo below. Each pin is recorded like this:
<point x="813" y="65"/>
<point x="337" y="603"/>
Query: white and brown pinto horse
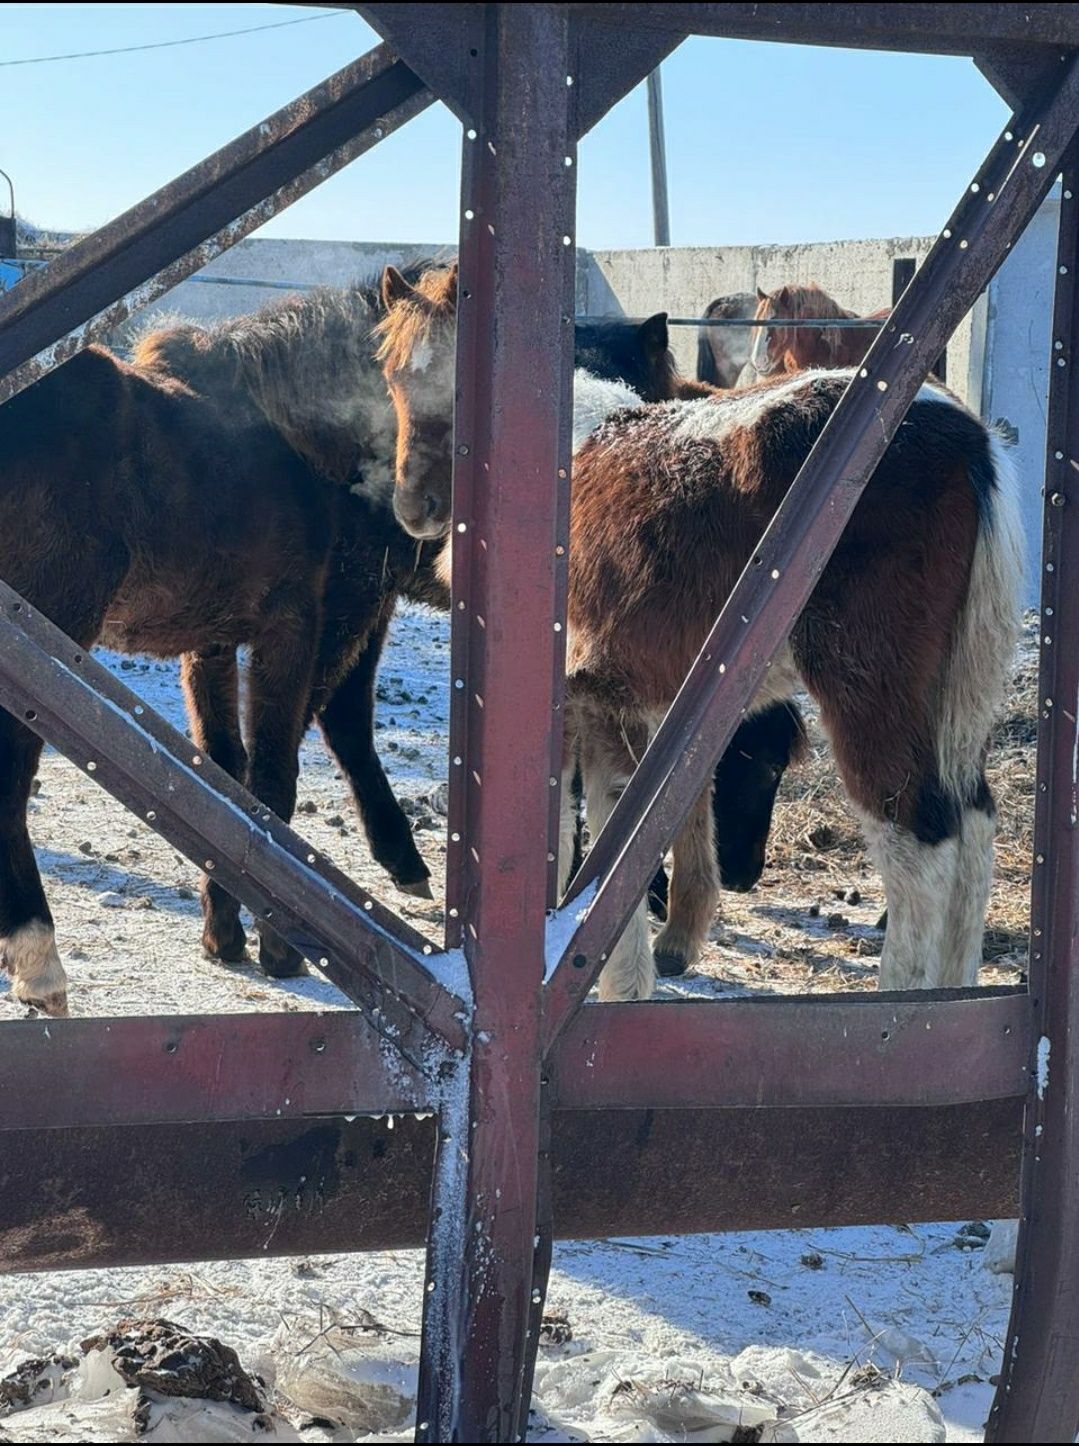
<point x="906" y="642"/>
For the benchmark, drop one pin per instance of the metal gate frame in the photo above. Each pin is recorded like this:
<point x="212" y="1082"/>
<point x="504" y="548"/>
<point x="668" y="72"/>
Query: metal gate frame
<point x="231" y="1129"/>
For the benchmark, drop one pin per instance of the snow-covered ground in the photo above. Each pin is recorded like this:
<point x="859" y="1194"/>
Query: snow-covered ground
<point x="888" y="1333"/>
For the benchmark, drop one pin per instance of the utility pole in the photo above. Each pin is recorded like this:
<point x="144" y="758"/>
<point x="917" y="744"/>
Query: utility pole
<point x="661" y="211"/>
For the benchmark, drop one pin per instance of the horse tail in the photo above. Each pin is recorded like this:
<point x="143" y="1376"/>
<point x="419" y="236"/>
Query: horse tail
<point x="979" y="661"/>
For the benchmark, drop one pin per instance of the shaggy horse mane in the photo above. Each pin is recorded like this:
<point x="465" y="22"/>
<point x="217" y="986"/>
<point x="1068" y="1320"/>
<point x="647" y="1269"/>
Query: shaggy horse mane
<point x="801" y="301"/>
<point x="808" y="302"/>
<point x="305" y="362"/>
<point x="409" y="321"/>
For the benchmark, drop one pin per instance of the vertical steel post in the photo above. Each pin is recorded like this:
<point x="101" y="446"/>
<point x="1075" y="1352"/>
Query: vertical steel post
<point x="511" y="480"/>
<point x="657" y="149"/>
<point x="1038" y="1395"/>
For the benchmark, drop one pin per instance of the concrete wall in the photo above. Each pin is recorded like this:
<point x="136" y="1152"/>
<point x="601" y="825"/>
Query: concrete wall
<point x="322" y="263"/>
<point x="683" y="280"/>
<point x="1017" y="364"/>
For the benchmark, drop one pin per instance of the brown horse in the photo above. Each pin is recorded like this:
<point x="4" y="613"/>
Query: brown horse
<point x="137" y="510"/>
<point x="232" y="488"/>
<point x="906" y="642"/>
<point x="372" y="565"/>
<point x="795" y="349"/>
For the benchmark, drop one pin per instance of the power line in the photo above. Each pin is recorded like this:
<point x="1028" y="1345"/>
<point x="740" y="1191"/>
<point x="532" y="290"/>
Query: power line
<point x="167" y="44"/>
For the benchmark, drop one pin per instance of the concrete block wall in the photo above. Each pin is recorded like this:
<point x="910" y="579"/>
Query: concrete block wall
<point x="683" y="280"/>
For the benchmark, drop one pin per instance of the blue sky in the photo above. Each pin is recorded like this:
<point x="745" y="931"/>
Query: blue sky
<point x="766" y="143"/>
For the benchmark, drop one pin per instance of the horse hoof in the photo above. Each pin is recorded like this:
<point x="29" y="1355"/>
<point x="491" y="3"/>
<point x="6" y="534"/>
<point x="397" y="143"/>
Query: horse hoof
<point x="54" y="1005"/>
<point x="421" y="889"/>
<point x="278" y="964"/>
<point x="668" y="966"/>
<point x="232" y="950"/>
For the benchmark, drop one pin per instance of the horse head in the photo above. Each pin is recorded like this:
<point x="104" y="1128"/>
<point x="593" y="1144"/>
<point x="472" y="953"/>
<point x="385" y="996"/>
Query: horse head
<point x="417" y="352"/>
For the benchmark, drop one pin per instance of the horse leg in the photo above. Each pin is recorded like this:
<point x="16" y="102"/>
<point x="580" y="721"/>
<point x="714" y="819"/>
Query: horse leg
<point x="918" y="876"/>
<point x="27" y="935"/>
<point x="348" y="726"/>
<point x="569" y="820"/>
<point x="694" y="891"/>
<point x="74" y="592"/>
<point x="278" y="702"/>
<point x="877" y="705"/>
<point x="964" y="928"/>
<point x="210" y="683"/>
<point x="606" y="766"/>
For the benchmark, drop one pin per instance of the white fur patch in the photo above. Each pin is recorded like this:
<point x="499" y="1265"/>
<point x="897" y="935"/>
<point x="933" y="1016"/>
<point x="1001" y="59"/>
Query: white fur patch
<point x="422" y="356"/>
<point x="710" y="418"/>
<point x="758" y="355"/>
<point x="979" y="665"/>
<point x="38" y="977"/>
<point x="593" y="402"/>
<point x="918" y="883"/>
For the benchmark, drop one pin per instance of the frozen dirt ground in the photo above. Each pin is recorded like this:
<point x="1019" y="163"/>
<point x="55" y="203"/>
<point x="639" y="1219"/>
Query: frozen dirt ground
<point x="884" y="1333"/>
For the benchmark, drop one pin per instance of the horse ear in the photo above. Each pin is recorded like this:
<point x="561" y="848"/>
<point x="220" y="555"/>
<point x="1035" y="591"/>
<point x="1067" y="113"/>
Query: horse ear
<point x="451" y="285"/>
<point x="761" y="295"/>
<point x="394" y="287"/>
<point x="653" y="335"/>
<point x="783" y="296"/>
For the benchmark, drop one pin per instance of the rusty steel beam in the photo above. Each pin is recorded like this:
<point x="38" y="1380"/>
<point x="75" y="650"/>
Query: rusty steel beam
<point x="442" y="43"/>
<point x="944" y="29"/>
<point x="779" y="578"/>
<point x="1019" y="72"/>
<point x="109" y="1197"/>
<point x="75" y="704"/>
<point x="609" y="63"/>
<point x="511" y="436"/>
<point x="716" y="1054"/>
<point x="1038" y="1395"/>
<point x="91" y="287"/>
<point x="178" y="1069"/>
<point x="828" y="1051"/>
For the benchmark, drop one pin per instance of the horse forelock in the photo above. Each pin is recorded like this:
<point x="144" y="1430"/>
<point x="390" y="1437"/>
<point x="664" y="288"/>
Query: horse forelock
<point x="409" y="325"/>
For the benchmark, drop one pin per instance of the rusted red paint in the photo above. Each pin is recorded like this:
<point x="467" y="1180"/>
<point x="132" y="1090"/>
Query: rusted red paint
<point x="1038" y="1395"/>
<point x="511" y="438"/>
<point x="177" y="1069"/>
<point x="826" y="1051"/>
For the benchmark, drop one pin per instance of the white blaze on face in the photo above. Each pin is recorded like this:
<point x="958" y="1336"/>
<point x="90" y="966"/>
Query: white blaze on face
<point x="422" y="357"/>
<point x="759" y="359"/>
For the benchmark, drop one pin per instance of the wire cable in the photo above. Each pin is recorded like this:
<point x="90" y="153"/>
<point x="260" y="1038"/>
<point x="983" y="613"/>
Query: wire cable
<point x="168" y="44"/>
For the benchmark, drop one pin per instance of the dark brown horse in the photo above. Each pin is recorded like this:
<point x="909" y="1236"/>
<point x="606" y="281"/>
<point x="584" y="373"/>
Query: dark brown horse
<point x="373" y="564"/>
<point x="137" y="510"/>
<point x="233" y="488"/>
<point x="906" y="642"/>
